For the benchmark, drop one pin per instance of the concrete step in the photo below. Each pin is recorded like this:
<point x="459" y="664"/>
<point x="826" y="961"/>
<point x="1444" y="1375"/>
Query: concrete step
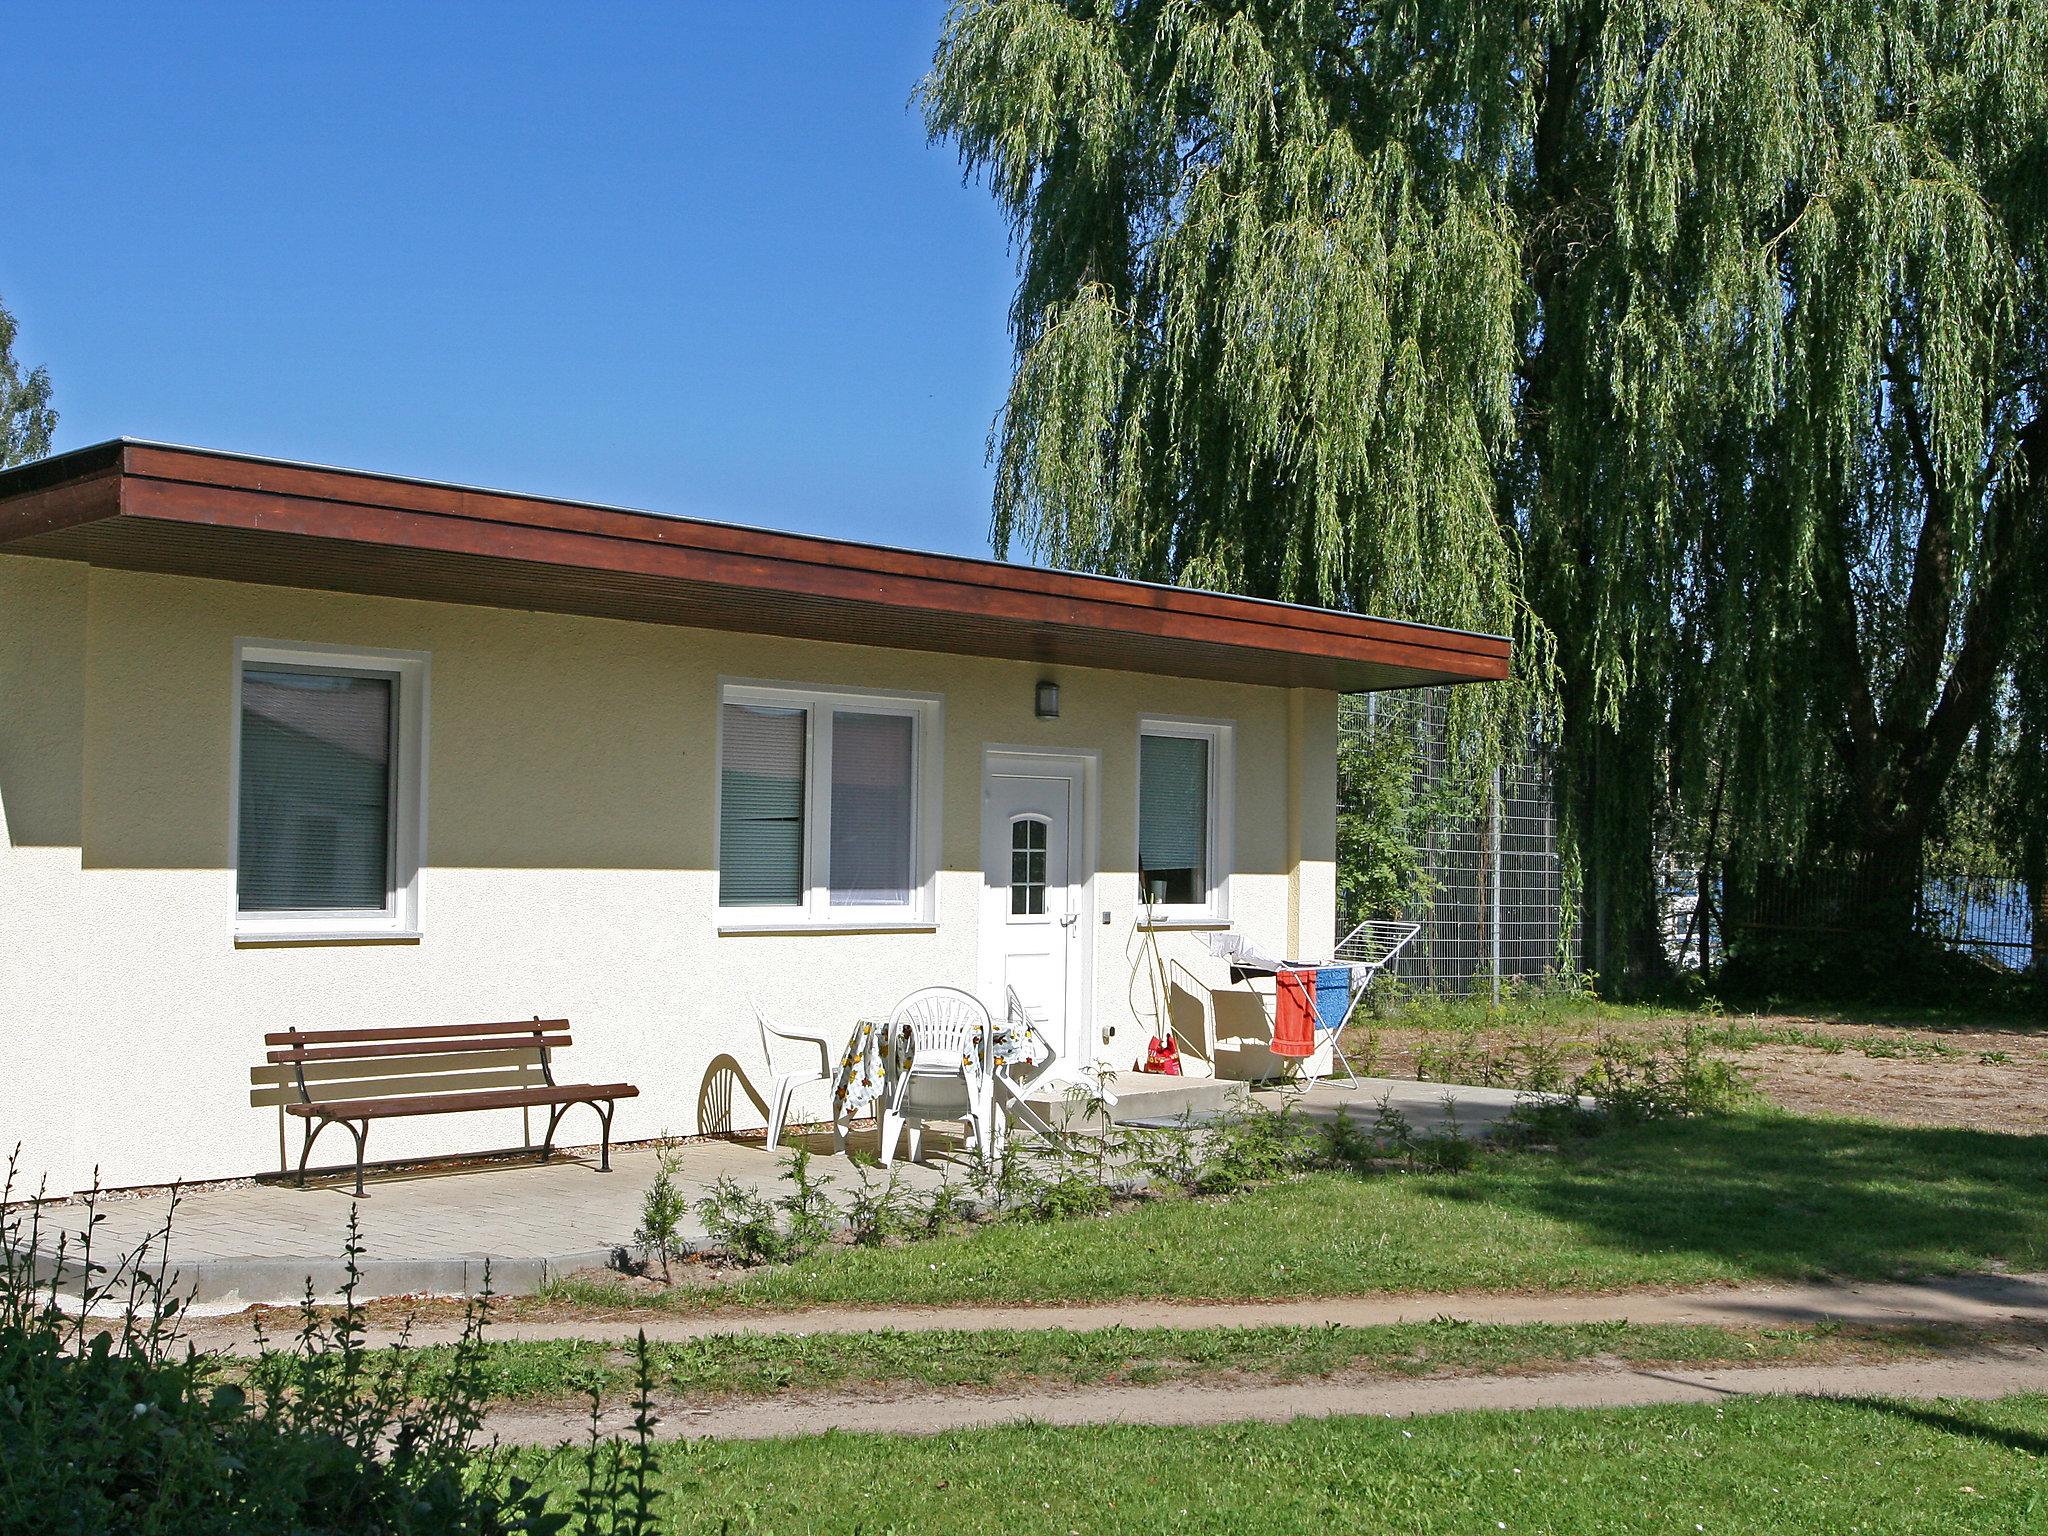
<point x="1148" y="1096"/>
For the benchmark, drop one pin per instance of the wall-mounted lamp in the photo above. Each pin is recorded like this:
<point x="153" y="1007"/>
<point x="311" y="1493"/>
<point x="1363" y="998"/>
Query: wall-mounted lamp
<point x="1048" y="701"/>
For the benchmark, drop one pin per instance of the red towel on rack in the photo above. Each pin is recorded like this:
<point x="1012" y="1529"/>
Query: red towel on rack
<point x="1294" y="1013"/>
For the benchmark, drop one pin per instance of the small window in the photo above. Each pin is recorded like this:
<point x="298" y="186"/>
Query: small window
<point x="327" y="793"/>
<point x="1183" y="820"/>
<point x="1027" y="867"/>
<point x="823" y="812"/>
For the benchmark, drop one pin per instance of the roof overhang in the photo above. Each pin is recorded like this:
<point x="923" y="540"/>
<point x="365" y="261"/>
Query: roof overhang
<point x="140" y="506"/>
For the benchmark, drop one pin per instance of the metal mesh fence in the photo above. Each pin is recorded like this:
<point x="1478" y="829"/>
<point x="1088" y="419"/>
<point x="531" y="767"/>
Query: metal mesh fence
<point x="1492" y="875"/>
<point x="1990" y="915"/>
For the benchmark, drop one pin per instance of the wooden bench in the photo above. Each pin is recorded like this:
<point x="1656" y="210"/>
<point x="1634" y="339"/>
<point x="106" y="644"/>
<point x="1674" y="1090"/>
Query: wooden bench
<point x="353" y="1076"/>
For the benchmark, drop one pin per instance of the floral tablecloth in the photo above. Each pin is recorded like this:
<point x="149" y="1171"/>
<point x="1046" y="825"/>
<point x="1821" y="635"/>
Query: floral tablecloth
<point x="874" y="1054"/>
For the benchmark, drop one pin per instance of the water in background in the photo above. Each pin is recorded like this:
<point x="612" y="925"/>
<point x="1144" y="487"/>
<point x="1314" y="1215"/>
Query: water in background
<point x="1984" y="916"/>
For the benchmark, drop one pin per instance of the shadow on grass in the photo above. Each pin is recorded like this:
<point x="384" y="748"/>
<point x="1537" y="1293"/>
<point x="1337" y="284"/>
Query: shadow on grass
<point x="1952" y="1423"/>
<point x="1792" y="1195"/>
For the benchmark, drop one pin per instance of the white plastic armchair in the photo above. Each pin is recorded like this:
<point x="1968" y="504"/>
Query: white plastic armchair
<point x="783" y="1083"/>
<point x="948" y="1074"/>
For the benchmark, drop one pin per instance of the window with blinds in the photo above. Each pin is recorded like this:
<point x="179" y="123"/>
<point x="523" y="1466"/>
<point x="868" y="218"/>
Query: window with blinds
<point x="1173" y="820"/>
<point x="315" y="831"/>
<point x="873" y="770"/>
<point x="822" y="815"/>
<point x="761" y="806"/>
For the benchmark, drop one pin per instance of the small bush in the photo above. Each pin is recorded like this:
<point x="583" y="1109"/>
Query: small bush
<point x="809" y="1216"/>
<point x="1168" y="1156"/>
<point x="751" y="1229"/>
<point x="1257" y="1146"/>
<point x="943" y="1207"/>
<point x="1390" y="1128"/>
<point x="111" y="1422"/>
<point x="875" y="1214"/>
<point x="662" y="1208"/>
<point x="1343" y="1145"/>
<point x="1634" y="1081"/>
<point x="740" y="1222"/>
<point x="1445" y="1152"/>
<point x="1548" y="1122"/>
<point x="1449" y="1150"/>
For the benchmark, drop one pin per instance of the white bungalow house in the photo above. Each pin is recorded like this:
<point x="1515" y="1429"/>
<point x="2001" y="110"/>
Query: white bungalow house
<point x="284" y="746"/>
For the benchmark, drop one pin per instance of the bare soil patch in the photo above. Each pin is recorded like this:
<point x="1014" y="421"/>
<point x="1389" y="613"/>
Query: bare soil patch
<point x="1981" y="1095"/>
<point x="1978" y="1079"/>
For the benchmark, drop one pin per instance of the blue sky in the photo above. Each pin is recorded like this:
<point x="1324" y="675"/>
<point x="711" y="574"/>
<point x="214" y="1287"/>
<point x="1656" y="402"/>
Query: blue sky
<point x="693" y="258"/>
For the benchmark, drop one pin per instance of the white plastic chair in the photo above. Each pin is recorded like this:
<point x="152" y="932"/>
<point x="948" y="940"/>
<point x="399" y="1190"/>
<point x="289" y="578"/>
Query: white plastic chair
<point x="948" y="1075"/>
<point x="784" y="1084"/>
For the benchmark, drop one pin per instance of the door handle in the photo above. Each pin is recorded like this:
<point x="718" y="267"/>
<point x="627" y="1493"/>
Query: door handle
<point x="1070" y="919"/>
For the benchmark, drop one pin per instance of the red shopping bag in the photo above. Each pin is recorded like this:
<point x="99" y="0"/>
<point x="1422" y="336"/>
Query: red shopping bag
<point x="1162" y="1056"/>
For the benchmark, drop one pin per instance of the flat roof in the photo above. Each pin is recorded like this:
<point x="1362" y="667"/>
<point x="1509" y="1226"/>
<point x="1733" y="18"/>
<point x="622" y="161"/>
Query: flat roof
<point x="144" y="506"/>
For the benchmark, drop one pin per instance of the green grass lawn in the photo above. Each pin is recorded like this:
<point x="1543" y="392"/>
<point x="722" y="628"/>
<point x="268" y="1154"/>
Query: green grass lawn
<point x="760" y="1365"/>
<point x="1749" y="1465"/>
<point x="1750" y="1195"/>
<point x="1585" y="1016"/>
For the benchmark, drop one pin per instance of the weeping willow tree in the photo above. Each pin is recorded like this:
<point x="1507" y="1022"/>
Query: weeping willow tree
<point x="26" y="419"/>
<point x="1697" y="344"/>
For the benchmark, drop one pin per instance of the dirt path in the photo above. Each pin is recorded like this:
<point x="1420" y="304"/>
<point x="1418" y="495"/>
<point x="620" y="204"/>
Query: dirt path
<point x="1968" y="1300"/>
<point x="1984" y="1375"/>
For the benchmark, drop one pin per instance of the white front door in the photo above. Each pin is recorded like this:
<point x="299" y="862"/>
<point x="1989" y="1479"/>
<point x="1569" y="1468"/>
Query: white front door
<point x="1033" y="931"/>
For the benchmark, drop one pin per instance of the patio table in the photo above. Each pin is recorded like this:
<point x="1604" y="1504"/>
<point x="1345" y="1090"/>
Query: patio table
<point x="869" y="1064"/>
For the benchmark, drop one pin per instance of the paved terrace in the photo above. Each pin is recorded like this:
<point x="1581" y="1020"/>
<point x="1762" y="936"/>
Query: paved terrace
<point x="431" y="1228"/>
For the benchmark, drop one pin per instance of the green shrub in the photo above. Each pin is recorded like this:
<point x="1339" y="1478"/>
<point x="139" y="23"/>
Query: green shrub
<point x="1255" y="1146"/>
<point x="1634" y="1080"/>
<point x="946" y="1205"/>
<point x="876" y="1214"/>
<point x="111" y="1422"/>
<point x="662" y="1208"/>
<point x="1167" y="1156"/>
<point x="751" y="1229"/>
<point x="1443" y="1153"/>
<point x="740" y="1222"/>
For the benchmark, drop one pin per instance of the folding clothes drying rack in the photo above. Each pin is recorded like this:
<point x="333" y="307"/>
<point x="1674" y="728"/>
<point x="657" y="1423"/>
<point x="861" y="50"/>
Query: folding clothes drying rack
<point x="1365" y="951"/>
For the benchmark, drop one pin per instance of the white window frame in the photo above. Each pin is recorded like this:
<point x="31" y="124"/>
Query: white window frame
<point x="400" y="918"/>
<point x="815" y="911"/>
<point x="1221" y="735"/>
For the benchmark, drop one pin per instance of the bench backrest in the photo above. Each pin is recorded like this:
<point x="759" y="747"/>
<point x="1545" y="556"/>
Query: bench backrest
<point x="316" y="1066"/>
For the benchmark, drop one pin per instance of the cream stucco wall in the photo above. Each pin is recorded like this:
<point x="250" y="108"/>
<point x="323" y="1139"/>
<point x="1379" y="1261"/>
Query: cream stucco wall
<point x="570" y="817"/>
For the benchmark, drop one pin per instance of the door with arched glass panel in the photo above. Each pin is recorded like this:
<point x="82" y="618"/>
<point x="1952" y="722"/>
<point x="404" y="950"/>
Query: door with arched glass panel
<point x="1031" y="906"/>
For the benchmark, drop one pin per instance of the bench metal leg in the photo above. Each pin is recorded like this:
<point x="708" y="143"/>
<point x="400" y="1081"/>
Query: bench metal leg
<point x="604" y="1114"/>
<point x="362" y="1136"/>
<point x="313" y="1129"/>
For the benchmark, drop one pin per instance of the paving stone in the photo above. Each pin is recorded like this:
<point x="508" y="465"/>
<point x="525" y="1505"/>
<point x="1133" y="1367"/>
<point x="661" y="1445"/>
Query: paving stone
<point x="430" y="1230"/>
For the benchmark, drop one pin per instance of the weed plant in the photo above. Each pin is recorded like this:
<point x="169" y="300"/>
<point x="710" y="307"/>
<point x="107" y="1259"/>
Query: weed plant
<point x="1084" y="1164"/>
<point x="662" y="1208"/>
<point x="111" y="1421"/>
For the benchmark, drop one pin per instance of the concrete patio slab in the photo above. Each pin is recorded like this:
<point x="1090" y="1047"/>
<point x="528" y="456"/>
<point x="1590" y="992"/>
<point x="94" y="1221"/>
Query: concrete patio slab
<point x="434" y="1228"/>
